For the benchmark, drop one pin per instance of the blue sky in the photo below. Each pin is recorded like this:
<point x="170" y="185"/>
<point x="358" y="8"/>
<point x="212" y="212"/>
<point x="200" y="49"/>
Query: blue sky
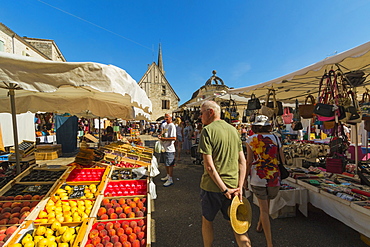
<point x="247" y="42"/>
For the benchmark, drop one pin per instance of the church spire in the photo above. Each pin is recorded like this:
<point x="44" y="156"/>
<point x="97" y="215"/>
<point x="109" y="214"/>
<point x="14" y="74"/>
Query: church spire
<point x="160" y="61"/>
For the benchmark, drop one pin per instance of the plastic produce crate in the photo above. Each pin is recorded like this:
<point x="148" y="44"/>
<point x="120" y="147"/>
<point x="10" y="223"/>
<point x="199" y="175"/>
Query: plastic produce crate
<point x="86" y="174"/>
<point x="126" y="188"/>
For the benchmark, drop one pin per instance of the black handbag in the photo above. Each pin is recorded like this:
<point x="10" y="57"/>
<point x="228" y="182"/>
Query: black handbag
<point x="279" y="104"/>
<point x="325" y="110"/>
<point x="253" y="103"/>
<point x="355" y="78"/>
<point x="297" y="125"/>
<point x="283" y="171"/>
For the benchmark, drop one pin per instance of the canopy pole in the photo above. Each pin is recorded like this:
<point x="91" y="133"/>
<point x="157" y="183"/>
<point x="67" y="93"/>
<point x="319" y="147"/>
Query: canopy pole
<point x="15" y="129"/>
<point x="99" y="143"/>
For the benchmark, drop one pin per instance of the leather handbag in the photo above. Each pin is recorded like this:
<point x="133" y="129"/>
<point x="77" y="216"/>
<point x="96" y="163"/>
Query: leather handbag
<point x="253" y="103"/>
<point x="324" y="110"/>
<point x="355" y="78"/>
<point x="297" y="125"/>
<point x="287" y="116"/>
<point x="355" y="113"/>
<point x="329" y="124"/>
<point x="245" y="114"/>
<point x="364" y="105"/>
<point x="367" y="124"/>
<point x="306" y="110"/>
<point x="334" y="165"/>
<point x="270" y="108"/>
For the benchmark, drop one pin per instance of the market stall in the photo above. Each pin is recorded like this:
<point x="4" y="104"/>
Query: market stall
<point x="321" y="155"/>
<point x="84" y="203"/>
<point x="49" y="86"/>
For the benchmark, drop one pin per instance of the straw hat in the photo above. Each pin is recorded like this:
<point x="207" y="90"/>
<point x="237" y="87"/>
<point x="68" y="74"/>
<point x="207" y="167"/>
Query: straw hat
<point x="240" y="215"/>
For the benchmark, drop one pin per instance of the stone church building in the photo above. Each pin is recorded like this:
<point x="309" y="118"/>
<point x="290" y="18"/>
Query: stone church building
<point x="159" y="90"/>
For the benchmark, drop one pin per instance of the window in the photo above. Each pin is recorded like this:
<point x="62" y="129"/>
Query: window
<point x="1" y="45"/>
<point x="163" y="90"/>
<point x="165" y="104"/>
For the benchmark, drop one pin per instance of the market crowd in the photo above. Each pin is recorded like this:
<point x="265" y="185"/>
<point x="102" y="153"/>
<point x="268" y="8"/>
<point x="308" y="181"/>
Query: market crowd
<point x="236" y="158"/>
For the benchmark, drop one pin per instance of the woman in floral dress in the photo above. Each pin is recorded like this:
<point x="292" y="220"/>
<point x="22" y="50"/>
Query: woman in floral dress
<point x="263" y="150"/>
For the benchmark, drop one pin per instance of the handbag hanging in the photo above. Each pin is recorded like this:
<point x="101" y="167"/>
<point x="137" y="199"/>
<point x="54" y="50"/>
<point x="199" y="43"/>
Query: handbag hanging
<point x="306" y="110"/>
<point x="339" y="142"/>
<point x="323" y="109"/>
<point x="296" y="115"/>
<point x="364" y="105"/>
<point x="297" y="125"/>
<point x="287" y="116"/>
<point x="253" y="103"/>
<point x="270" y="109"/>
<point x="355" y="115"/>
<point x="276" y="104"/>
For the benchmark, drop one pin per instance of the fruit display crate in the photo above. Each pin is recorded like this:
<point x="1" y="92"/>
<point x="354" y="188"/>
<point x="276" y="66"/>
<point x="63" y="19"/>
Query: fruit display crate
<point x="119" y="208"/>
<point x="137" y="232"/>
<point x="87" y="174"/>
<point x="126" y="188"/>
<point x="14" y="189"/>
<point x="64" y="211"/>
<point x="126" y="162"/>
<point x="10" y="232"/>
<point x="126" y="173"/>
<point x="42" y="175"/>
<point x="78" y="189"/>
<point x="54" y="230"/>
<point x="118" y="173"/>
<point x="16" y="212"/>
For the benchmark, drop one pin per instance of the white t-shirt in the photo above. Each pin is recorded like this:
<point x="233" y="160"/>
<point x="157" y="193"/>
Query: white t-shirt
<point x="169" y="130"/>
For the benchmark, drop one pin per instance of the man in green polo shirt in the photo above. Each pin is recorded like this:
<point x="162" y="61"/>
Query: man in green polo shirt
<point x="224" y="170"/>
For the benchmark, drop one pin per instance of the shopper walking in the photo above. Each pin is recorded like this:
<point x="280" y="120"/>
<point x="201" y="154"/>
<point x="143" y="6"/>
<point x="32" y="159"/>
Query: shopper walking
<point x="224" y="170"/>
<point x="263" y="150"/>
<point x="188" y="132"/>
<point x="179" y="137"/>
<point x="168" y="138"/>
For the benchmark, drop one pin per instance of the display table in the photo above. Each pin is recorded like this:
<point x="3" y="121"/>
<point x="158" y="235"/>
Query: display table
<point x="342" y="212"/>
<point x="288" y="198"/>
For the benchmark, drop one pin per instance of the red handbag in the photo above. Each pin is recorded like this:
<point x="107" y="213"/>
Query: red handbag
<point x="334" y="165"/>
<point x="287" y="116"/>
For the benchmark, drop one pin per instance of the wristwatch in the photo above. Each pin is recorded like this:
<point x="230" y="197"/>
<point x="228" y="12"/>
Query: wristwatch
<point x="224" y="192"/>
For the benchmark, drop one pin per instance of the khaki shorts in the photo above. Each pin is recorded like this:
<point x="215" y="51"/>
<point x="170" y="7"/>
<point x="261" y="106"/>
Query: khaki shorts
<point x="265" y="193"/>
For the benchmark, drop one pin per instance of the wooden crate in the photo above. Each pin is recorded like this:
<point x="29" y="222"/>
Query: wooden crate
<point x="83" y="240"/>
<point x="28" y="171"/>
<point x="13" y="182"/>
<point x="30" y="225"/>
<point x="99" y="199"/>
<point x="46" y="155"/>
<point x="50" y="148"/>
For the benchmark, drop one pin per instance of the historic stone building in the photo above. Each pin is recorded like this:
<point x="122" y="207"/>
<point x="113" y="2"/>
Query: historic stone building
<point x="11" y="42"/>
<point x="213" y="87"/>
<point x="159" y="90"/>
